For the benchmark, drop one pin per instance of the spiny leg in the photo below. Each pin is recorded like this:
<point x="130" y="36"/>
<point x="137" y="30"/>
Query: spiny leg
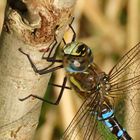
<point x="53" y="58"/>
<point x="74" y="33"/>
<point x="63" y="86"/>
<point x="48" y="58"/>
<point x="46" y="69"/>
<point x="64" y="41"/>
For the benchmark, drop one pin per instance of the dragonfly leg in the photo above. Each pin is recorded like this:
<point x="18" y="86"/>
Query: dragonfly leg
<point x="53" y="58"/>
<point x="74" y="33"/>
<point x="64" y="41"/>
<point x="63" y="86"/>
<point x="49" y="58"/>
<point x="44" y="70"/>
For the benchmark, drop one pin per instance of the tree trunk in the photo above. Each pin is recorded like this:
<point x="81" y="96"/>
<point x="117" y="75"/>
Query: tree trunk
<point x="32" y="30"/>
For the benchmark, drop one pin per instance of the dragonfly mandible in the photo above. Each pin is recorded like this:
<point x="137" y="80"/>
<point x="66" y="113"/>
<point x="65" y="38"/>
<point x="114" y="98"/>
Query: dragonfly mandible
<point x="101" y="92"/>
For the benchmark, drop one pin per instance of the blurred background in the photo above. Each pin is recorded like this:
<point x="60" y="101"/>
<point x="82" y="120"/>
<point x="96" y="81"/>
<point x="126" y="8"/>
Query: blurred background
<point x="109" y="28"/>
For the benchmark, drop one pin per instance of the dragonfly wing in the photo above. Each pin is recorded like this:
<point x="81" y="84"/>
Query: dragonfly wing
<point x="84" y="125"/>
<point x="125" y="85"/>
<point x="128" y="64"/>
<point x="125" y="75"/>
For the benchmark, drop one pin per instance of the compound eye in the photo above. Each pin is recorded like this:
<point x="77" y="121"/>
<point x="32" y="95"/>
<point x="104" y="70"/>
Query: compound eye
<point x="76" y="63"/>
<point x="81" y="50"/>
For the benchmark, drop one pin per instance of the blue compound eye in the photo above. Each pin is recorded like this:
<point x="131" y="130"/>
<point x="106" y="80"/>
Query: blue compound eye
<point x="77" y="57"/>
<point x="77" y="65"/>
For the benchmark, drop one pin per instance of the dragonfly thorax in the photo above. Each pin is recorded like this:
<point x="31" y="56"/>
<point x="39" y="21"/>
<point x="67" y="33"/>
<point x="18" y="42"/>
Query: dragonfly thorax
<point x="103" y="86"/>
<point x="77" y="57"/>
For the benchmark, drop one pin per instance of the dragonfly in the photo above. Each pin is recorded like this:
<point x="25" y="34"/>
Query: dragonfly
<point x="104" y="95"/>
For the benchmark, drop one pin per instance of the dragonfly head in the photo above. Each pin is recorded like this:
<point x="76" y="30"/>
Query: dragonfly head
<point x="77" y="57"/>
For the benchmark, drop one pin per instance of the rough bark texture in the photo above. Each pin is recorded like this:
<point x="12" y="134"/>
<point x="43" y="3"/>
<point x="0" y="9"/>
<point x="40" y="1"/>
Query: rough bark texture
<point x="32" y="31"/>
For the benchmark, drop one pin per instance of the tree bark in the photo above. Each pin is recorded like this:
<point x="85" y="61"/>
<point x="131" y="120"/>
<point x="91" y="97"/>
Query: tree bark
<point x="33" y="30"/>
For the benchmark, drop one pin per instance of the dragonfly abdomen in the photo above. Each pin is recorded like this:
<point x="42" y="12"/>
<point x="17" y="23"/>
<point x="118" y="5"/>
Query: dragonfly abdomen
<point x="108" y="119"/>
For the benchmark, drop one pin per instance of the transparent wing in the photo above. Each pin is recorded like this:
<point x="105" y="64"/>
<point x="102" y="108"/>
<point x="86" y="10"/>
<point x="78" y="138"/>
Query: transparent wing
<point x="125" y="63"/>
<point x="125" y="75"/>
<point x="84" y="125"/>
<point x="125" y="85"/>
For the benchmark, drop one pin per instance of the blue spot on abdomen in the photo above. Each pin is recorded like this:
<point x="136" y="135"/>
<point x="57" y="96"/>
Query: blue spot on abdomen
<point x="120" y="133"/>
<point x="107" y="114"/>
<point x="107" y="123"/>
